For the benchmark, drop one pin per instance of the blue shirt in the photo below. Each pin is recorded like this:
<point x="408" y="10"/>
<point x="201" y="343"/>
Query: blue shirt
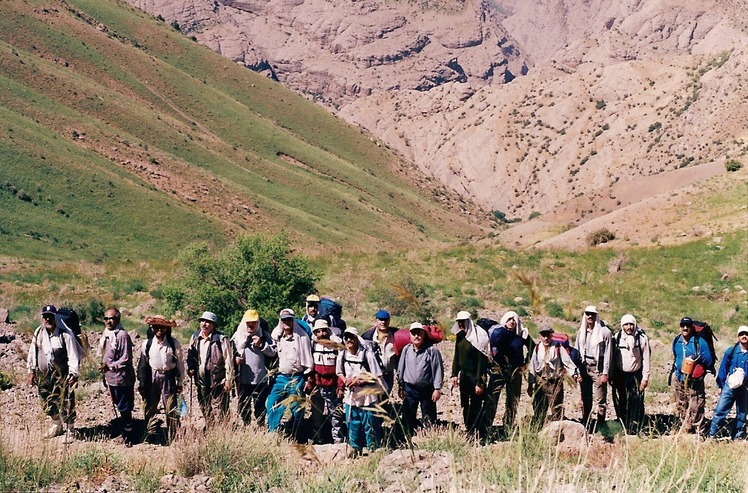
<point x="683" y="349"/>
<point x="734" y="358"/>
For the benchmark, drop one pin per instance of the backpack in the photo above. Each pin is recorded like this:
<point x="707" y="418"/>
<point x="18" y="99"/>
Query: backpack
<point x="145" y="376"/>
<point x="486" y="323"/>
<point x="367" y="346"/>
<point x="561" y="340"/>
<point x="333" y="311"/>
<point x="72" y="321"/>
<point x="402" y="337"/>
<point x="637" y="339"/>
<point x="705" y="329"/>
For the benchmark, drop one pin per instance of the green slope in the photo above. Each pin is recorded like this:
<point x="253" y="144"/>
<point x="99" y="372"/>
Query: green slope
<point x="128" y="139"/>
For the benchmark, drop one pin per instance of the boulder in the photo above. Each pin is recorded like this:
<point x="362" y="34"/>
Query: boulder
<point x="567" y="435"/>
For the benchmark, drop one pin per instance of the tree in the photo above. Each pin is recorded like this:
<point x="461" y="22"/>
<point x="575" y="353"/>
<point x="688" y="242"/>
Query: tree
<point x="256" y="272"/>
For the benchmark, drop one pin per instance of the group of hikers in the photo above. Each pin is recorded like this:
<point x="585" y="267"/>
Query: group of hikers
<point x="347" y="380"/>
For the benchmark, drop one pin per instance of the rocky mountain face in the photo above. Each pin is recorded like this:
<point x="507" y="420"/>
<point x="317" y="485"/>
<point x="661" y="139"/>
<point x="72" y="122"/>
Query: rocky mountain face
<point x="527" y="106"/>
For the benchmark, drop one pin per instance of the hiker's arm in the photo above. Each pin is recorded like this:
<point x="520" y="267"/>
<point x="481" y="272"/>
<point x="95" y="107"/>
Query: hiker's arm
<point x="180" y="364"/>
<point x="125" y="357"/>
<point x="229" y="360"/>
<point x="706" y="356"/>
<point x="73" y="361"/>
<point x="437" y="368"/>
<point x="607" y="356"/>
<point x="646" y="364"/>
<point x="269" y="348"/>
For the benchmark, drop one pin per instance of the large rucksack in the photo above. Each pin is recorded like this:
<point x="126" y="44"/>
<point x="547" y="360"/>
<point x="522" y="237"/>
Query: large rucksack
<point x="702" y="332"/>
<point x="486" y="323"/>
<point x="402" y="337"/>
<point x="332" y="310"/>
<point x="561" y="340"/>
<point x="72" y="321"/>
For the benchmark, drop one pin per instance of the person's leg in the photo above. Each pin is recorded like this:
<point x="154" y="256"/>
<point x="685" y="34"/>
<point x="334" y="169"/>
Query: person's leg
<point x="513" y="393"/>
<point x="259" y="398"/>
<point x="600" y="396"/>
<point x="492" y="397"/>
<point x="428" y="406"/>
<point x="721" y="410"/>
<point x="337" y="417"/>
<point x="204" y="398"/>
<point x="368" y="424"/>
<point x="244" y="402"/>
<point x="317" y="418"/>
<point x="585" y="388"/>
<point x="741" y="405"/>
<point x="274" y="409"/>
<point x="681" y="400"/>
<point x="355" y="428"/>
<point x="556" y="397"/>
<point x="539" y="406"/>
<point x="635" y="399"/>
<point x="410" y="408"/>
<point x="172" y="416"/>
<point x="697" y="397"/>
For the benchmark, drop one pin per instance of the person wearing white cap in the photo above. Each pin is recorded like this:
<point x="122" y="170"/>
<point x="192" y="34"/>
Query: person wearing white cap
<point x="734" y="387"/>
<point x="324" y="386"/>
<point x="594" y="343"/>
<point x="294" y="365"/>
<point x="52" y="364"/>
<point x="361" y="374"/>
<point x="631" y="373"/>
<point x="210" y="362"/>
<point x="421" y="372"/>
<point x="254" y="353"/>
<point x="470" y="371"/>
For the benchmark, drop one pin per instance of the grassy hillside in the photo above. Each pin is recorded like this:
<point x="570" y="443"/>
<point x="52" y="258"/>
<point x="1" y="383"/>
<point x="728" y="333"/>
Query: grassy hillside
<point x="123" y="138"/>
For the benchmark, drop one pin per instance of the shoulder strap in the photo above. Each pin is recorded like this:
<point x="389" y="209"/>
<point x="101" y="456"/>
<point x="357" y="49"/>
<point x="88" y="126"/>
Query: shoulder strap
<point x="148" y="347"/>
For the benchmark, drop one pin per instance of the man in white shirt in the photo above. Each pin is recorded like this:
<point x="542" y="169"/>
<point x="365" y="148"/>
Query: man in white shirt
<point x="595" y="348"/>
<point x="631" y="355"/>
<point x="52" y="365"/>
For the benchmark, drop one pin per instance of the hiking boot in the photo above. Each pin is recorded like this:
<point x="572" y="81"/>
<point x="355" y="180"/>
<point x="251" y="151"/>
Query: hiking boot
<point x="56" y="429"/>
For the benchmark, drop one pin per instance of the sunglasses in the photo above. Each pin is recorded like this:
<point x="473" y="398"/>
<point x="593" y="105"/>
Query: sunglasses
<point x="110" y="318"/>
<point x="589" y="314"/>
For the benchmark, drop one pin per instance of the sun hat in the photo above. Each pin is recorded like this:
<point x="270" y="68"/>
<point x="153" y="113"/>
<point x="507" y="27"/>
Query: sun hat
<point x="321" y="323"/>
<point x="312" y="298"/>
<point x="546" y="328"/>
<point x="463" y="315"/>
<point x="591" y="309"/>
<point x="209" y="317"/>
<point x="160" y="321"/>
<point x="416" y="326"/>
<point x="628" y="319"/>
<point x="251" y="316"/>
<point x="287" y="313"/>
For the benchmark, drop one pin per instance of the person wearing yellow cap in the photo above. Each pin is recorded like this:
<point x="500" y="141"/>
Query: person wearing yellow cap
<point x="254" y="353"/>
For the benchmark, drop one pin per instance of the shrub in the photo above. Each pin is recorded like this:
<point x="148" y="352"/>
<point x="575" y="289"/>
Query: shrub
<point x="408" y="299"/>
<point x="600" y="236"/>
<point x="6" y="380"/>
<point x="732" y="165"/>
<point x="257" y="271"/>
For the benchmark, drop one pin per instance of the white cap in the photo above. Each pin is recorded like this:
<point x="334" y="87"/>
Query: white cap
<point x="463" y="315"/>
<point x="287" y="313"/>
<point x="591" y="309"/>
<point x="416" y="326"/>
<point x="209" y="316"/>
<point x="742" y="328"/>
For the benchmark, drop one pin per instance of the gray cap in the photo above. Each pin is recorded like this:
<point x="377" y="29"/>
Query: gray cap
<point x="209" y="316"/>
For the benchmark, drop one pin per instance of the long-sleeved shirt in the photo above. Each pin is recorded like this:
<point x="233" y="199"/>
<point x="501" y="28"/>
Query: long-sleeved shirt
<point x="54" y="351"/>
<point x="468" y="361"/>
<point x="550" y="362"/>
<point x="631" y="353"/>
<point x="294" y="354"/>
<point x="735" y="357"/>
<point x="354" y="365"/>
<point x="254" y="369"/>
<point x="695" y="348"/>
<point x="421" y="367"/>
<point x="596" y="348"/>
<point x="325" y="362"/>
<point x="508" y="348"/>
<point x="162" y="358"/>
<point x="117" y="356"/>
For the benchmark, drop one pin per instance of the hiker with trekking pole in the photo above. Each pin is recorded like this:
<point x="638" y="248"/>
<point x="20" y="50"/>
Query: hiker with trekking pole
<point x="119" y="374"/>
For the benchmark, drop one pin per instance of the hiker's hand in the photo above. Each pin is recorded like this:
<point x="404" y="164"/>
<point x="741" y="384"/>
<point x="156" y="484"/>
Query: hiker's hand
<point x="239" y="360"/>
<point x="478" y="390"/>
<point x="308" y="386"/>
<point x="578" y="378"/>
<point x="603" y="378"/>
<point x="191" y="373"/>
<point x="227" y="386"/>
<point x="643" y="385"/>
<point x="72" y="379"/>
<point x="141" y="391"/>
<point x="103" y="368"/>
<point x="32" y="378"/>
<point x="256" y="341"/>
<point x="340" y="392"/>
<point x="436" y="395"/>
<point x="179" y="389"/>
<point x="453" y="382"/>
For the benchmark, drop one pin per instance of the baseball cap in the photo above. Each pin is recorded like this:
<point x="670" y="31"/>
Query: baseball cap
<point x="546" y="329"/>
<point x="382" y="315"/>
<point x="743" y="329"/>
<point x="416" y="326"/>
<point x="463" y="315"/>
<point x="287" y="313"/>
<point x="686" y="321"/>
<point x="251" y="316"/>
<point x="49" y="309"/>
<point x="591" y="309"/>
<point x="209" y="317"/>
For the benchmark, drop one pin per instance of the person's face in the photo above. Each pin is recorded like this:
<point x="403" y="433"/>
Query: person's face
<point x="686" y="330"/>
<point x="351" y="342"/>
<point x="462" y="324"/>
<point x="312" y="309"/>
<point x="206" y="326"/>
<point x="743" y="339"/>
<point x="159" y="331"/>
<point x="546" y="338"/>
<point x="48" y="321"/>
<point x="287" y="324"/>
<point x="590" y="318"/>
<point x="417" y="337"/>
<point x="111" y="319"/>
<point x="253" y="326"/>
<point x="383" y="324"/>
<point x="321" y="333"/>
<point x="511" y="324"/>
<point x="628" y="328"/>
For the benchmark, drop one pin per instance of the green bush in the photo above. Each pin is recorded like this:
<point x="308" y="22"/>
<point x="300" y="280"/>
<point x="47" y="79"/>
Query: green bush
<point x="6" y="380"/>
<point x="600" y="236"/>
<point x="256" y="272"/>
<point x="408" y="298"/>
<point x="732" y="165"/>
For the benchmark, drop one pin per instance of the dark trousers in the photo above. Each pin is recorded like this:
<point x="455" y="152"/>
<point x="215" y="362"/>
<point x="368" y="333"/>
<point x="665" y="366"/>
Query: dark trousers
<point x="472" y="407"/>
<point x="416" y="397"/>
<point x="628" y="399"/>
<point x="548" y="393"/>
<point x="253" y="397"/>
<point x="512" y="381"/>
<point x="58" y="398"/>
<point x="690" y="400"/>
<point x="213" y="400"/>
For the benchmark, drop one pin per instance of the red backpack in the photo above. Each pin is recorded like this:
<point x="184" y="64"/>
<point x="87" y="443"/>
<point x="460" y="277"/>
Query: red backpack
<point x="402" y="337"/>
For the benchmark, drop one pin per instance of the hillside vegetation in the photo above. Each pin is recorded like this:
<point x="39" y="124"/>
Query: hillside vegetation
<point x="123" y="138"/>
